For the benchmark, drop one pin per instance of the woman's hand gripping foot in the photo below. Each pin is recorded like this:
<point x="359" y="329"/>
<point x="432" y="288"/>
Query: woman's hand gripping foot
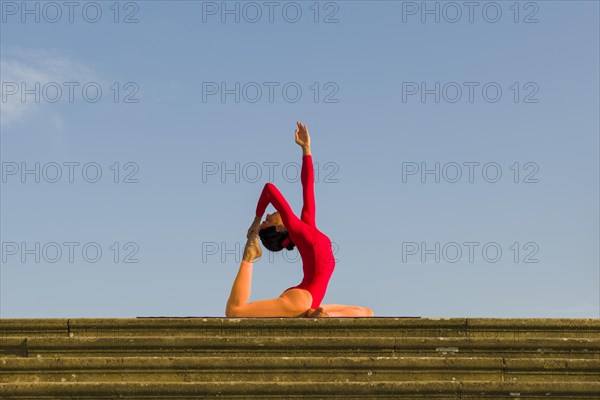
<point x="252" y="250"/>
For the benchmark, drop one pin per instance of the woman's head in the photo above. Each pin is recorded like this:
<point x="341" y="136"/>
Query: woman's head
<point x="273" y="234"/>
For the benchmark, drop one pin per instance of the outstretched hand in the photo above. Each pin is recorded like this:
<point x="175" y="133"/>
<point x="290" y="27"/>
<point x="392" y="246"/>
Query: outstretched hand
<point x="302" y="136"/>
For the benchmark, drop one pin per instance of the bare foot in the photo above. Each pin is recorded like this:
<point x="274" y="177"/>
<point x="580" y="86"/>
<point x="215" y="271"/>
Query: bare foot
<point x="252" y="250"/>
<point x="318" y="313"/>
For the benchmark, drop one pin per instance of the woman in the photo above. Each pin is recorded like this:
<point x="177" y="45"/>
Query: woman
<point x="283" y="229"/>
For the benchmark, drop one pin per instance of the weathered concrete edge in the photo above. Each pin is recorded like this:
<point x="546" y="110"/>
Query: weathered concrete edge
<point x="122" y="344"/>
<point x="65" y="326"/>
<point x="58" y="364"/>
<point x="258" y="388"/>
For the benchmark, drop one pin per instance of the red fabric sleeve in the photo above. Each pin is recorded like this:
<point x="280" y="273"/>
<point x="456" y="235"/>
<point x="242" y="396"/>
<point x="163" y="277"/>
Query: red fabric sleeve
<point x="271" y="194"/>
<point x="307" y="177"/>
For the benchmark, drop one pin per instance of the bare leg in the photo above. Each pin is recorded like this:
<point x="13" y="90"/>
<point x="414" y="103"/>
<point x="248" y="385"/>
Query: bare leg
<point x="341" y="310"/>
<point x="291" y="302"/>
<point x="240" y="291"/>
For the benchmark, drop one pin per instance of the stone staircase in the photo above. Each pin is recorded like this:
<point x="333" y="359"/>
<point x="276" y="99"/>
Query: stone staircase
<point x="295" y="358"/>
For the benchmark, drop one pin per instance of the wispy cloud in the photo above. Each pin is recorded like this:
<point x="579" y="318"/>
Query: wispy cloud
<point x="28" y="67"/>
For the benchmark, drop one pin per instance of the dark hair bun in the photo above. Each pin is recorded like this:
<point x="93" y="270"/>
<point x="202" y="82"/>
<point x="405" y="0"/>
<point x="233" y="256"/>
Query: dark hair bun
<point x="273" y="239"/>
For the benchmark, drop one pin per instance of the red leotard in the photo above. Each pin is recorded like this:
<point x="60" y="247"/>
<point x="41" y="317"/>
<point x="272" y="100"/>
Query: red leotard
<point x="314" y="247"/>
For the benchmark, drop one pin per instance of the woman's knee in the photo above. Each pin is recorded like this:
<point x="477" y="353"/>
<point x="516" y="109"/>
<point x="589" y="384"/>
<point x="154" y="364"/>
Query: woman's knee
<point x="231" y="312"/>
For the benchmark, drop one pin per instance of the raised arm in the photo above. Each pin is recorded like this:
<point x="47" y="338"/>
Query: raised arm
<point x="307" y="175"/>
<point x="308" y="190"/>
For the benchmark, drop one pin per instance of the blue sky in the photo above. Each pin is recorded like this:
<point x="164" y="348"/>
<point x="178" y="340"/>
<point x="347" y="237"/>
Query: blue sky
<point x="197" y="113"/>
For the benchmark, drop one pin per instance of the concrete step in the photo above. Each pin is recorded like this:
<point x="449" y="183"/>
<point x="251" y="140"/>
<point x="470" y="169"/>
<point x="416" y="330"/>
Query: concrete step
<point x="273" y="358"/>
<point x="325" y="390"/>
<point x="295" y="346"/>
<point x="296" y="327"/>
<point x="295" y="369"/>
